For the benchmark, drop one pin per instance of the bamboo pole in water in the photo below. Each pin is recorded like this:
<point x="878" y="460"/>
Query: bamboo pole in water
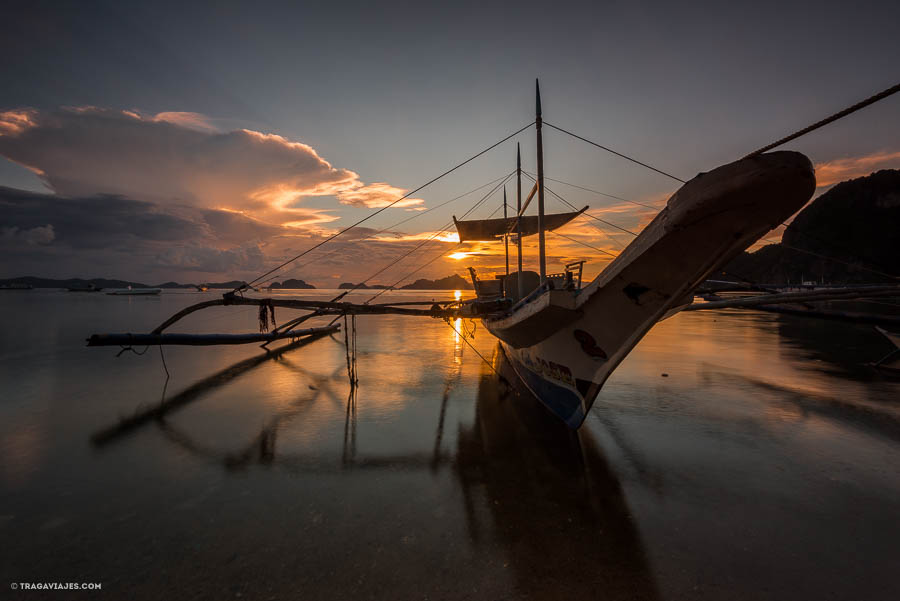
<point x="324" y="306"/>
<point x="801" y="296"/>
<point x="201" y="339"/>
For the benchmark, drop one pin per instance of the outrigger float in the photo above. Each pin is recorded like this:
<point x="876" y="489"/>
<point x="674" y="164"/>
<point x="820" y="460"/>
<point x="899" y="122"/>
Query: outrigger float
<point x="562" y="338"/>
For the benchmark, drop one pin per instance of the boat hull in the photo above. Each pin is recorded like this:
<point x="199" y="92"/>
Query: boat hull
<point x="565" y="344"/>
<point x="559" y="396"/>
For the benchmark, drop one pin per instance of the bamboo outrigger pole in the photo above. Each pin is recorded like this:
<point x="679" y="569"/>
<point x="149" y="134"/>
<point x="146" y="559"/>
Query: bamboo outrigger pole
<point x="540" y="180"/>
<point x="440" y="309"/>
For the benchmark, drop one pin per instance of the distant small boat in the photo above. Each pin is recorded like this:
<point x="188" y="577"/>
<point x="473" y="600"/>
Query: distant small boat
<point x="202" y="288"/>
<point x="88" y="288"/>
<point x="134" y="291"/>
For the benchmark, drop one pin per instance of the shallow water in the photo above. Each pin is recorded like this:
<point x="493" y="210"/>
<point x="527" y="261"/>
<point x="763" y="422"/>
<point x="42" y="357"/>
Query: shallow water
<point x="764" y="464"/>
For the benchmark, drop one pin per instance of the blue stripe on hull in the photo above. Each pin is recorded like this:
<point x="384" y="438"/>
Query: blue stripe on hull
<point x="561" y="401"/>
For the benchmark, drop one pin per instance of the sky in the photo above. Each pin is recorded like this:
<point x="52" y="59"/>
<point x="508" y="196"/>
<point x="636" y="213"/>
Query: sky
<point x="201" y="142"/>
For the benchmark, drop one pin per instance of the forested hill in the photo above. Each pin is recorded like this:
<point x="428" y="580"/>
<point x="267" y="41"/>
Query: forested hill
<point x="856" y="225"/>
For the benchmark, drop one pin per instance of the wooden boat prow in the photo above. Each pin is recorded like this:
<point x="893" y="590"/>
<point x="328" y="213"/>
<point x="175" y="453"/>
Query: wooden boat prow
<point x="566" y="343"/>
<point x="758" y="193"/>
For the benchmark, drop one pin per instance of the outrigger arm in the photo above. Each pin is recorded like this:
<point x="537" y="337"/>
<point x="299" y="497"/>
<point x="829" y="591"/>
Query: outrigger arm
<point x="439" y="309"/>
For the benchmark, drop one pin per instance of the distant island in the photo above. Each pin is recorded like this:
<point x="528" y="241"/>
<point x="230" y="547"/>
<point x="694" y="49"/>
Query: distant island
<point x="36" y="282"/>
<point x="849" y="235"/>
<point x="82" y="283"/>
<point x="291" y="285"/>
<point x="351" y="286"/>
<point x="452" y="282"/>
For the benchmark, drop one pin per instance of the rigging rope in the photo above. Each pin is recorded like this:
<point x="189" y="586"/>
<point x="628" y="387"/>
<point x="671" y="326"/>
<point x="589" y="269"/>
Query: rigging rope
<point x="601" y="146"/>
<point x="390" y="227"/>
<point x="574" y="208"/>
<point x="364" y="219"/>
<point x="411" y="273"/>
<point x="585" y="244"/>
<point x="433" y="236"/>
<point x="439" y="255"/>
<point x="862" y="104"/>
<point x="559" y="181"/>
<point x="852" y="109"/>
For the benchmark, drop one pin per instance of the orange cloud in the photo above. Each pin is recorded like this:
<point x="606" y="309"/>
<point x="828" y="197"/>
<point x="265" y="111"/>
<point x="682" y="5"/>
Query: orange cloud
<point x="838" y="170"/>
<point x="376" y="196"/>
<point x="14" y="122"/>
<point x="178" y="158"/>
<point x="186" y="119"/>
<point x="445" y="236"/>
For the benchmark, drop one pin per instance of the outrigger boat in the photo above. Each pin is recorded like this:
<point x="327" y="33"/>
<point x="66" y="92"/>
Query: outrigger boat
<point x="562" y="338"/>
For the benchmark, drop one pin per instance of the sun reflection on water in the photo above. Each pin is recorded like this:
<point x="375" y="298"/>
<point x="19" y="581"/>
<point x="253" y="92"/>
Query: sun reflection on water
<point x="457" y="339"/>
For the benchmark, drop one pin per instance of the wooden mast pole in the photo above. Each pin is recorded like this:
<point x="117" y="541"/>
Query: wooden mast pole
<point x="519" y="218"/>
<point x="540" y="183"/>
<point x="505" y="236"/>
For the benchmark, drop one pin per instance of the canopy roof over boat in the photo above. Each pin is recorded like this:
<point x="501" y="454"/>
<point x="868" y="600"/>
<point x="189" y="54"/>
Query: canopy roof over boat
<point x="491" y="229"/>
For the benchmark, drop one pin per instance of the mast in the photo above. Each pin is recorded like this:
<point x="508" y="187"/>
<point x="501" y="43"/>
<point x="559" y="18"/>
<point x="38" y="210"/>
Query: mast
<point x="519" y="218"/>
<point x="540" y="179"/>
<point x="505" y="236"/>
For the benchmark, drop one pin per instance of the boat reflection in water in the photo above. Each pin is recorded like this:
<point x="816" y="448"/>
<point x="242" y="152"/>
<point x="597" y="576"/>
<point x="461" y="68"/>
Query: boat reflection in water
<point x="538" y="497"/>
<point x="549" y="496"/>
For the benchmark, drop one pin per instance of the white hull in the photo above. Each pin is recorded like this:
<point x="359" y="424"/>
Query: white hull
<point x="564" y="345"/>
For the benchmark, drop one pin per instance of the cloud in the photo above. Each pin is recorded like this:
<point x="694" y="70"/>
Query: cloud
<point x="113" y="236"/>
<point x="142" y="236"/>
<point x="377" y="195"/>
<point x="838" y="170"/>
<point x="97" y="221"/>
<point x="181" y="158"/>
<point x="188" y="120"/>
<point x="42" y="234"/>
<point x="165" y="158"/>
<point x="199" y="258"/>
<point x="440" y="236"/>
<point x="142" y="195"/>
<point x="14" y="122"/>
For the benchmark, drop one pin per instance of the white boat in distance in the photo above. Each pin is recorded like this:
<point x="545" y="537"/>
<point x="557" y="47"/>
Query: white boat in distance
<point x="564" y="340"/>
<point x="133" y="291"/>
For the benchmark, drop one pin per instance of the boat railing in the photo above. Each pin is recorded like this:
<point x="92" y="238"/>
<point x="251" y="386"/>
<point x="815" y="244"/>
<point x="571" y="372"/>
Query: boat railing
<point x="570" y="279"/>
<point x="572" y="267"/>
